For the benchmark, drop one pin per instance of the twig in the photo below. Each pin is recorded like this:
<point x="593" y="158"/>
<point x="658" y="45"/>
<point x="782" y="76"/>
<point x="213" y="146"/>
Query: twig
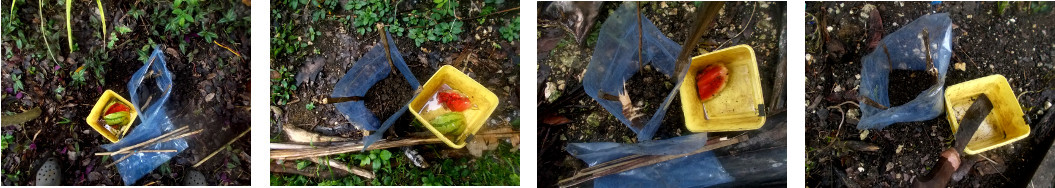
<point x="165" y="138"/>
<point x="742" y="30"/>
<point x="351" y="169"/>
<point x="638" y="162"/>
<point x="317" y="151"/>
<point x="291" y="168"/>
<point x="221" y="148"/>
<point x="872" y="103"/>
<point x="333" y="100"/>
<point x="135" y="151"/>
<point x="228" y="49"/>
<point x="151" y="140"/>
<point x="841" y="120"/>
<point x="384" y="42"/>
<point x="499" y="12"/>
<point x="930" y="62"/>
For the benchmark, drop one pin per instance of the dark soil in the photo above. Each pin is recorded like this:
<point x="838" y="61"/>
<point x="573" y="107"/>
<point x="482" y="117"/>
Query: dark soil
<point x="562" y="62"/>
<point x="384" y="95"/>
<point x="211" y="91"/>
<point x="905" y="85"/>
<point x="644" y="98"/>
<point x="1017" y="44"/>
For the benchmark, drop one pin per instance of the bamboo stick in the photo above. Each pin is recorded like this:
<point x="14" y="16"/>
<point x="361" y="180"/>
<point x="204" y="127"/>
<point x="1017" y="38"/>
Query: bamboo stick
<point x="598" y="171"/>
<point x="221" y="148"/>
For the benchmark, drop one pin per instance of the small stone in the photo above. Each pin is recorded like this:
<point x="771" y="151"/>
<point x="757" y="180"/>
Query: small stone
<point x="830" y="28"/>
<point x="960" y="66"/>
<point x="969" y="16"/>
<point x="94" y="176"/>
<point x="898" y="150"/>
<point x="209" y="97"/>
<point x="860" y="169"/>
<point x="864" y="134"/>
<point x="1047" y="105"/>
<point x="889" y="166"/>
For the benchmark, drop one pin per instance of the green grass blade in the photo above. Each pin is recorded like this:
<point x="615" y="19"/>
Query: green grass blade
<point x="69" y="30"/>
<point x="13" y="8"/>
<point x="43" y="31"/>
<point x="102" y="16"/>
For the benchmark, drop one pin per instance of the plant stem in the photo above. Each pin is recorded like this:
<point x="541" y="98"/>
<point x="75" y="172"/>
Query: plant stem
<point x="102" y="17"/>
<point x="43" y="31"/>
<point x="69" y="30"/>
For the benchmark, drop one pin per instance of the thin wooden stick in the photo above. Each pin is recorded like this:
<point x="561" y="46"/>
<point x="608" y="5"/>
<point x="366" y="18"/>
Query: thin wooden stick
<point x="221" y="148"/>
<point x="499" y="12"/>
<point x="351" y="169"/>
<point x="332" y="100"/>
<point x="181" y="136"/>
<point x="384" y="42"/>
<point x="166" y="137"/>
<point x="151" y="140"/>
<point x="313" y="151"/>
<point x="135" y="151"/>
<point x="601" y="171"/>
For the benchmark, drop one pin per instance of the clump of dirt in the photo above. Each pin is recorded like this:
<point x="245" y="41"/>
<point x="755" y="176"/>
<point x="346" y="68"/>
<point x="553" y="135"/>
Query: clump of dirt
<point x="905" y="85"/>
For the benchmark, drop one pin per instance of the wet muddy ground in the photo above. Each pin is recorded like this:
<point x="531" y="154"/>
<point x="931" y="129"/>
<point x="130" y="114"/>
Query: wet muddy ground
<point x="211" y="90"/>
<point x="568" y="115"/>
<point x="1015" y="42"/>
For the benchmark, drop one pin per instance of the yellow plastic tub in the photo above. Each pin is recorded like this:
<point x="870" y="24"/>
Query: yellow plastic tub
<point x="1004" y="123"/>
<point x="97" y="113"/>
<point x="739" y="106"/>
<point x="484" y="102"/>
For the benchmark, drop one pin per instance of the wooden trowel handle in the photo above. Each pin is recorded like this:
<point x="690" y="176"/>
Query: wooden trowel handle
<point x="940" y="175"/>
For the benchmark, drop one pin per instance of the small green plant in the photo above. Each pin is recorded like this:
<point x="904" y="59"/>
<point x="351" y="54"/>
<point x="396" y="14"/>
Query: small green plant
<point x="7" y="140"/>
<point x="302" y="164"/>
<point x="18" y="82"/>
<point x="59" y="93"/>
<point x="375" y="159"/>
<point x="78" y="77"/>
<point x="511" y="32"/>
<point x="112" y="41"/>
<point x="283" y="86"/>
<point x="310" y="106"/>
<point x="183" y="16"/>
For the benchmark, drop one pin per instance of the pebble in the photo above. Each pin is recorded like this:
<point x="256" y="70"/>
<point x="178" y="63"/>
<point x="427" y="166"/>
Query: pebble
<point x="1047" y="105"/>
<point x="899" y="147"/>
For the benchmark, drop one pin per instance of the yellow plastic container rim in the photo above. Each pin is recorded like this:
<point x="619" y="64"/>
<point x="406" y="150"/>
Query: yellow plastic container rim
<point x="1004" y="124"/>
<point x="484" y="102"/>
<point x="739" y="106"/>
<point x="97" y="112"/>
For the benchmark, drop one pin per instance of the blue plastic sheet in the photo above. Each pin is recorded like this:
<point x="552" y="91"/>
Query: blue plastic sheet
<point x="699" y="170"/>
<point x="906" y="53"/>
<point x="366" y="72"/>
<point x="615" y="60"/>
<point x="154" y="120"/>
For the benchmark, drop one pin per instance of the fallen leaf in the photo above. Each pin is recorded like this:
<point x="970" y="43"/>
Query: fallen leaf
<point x="553" y="119"/>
